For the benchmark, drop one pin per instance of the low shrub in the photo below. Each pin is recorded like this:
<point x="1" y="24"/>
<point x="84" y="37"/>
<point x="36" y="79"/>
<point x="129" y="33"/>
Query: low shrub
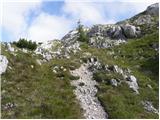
<point x="23" y="43"/>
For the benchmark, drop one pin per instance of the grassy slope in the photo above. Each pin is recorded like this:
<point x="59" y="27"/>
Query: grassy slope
<point x="37" y="92"/>
<point x="42" y="94"/>
<point x="142" y="59"/>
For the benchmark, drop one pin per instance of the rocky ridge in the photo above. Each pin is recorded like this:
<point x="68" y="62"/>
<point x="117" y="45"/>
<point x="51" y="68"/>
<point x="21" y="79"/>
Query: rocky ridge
<point x="105" y="36"/>
<point x="100" y="36"/>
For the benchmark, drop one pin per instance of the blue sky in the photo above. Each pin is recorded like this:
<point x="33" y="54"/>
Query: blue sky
<point x="41" y="20"/>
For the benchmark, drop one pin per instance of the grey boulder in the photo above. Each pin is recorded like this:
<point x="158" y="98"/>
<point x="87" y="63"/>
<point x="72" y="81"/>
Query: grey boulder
<point x="114" y="82"/>
<point x="3" y="64"/>
<point x="131" y="31"/>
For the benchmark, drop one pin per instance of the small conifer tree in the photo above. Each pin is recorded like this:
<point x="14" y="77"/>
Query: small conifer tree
<point x="82" y="36"/>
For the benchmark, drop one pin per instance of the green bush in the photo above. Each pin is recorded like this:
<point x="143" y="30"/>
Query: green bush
<point x="99" y="76"/>
<point x="23" y="43"/>
<point x="71" y="77"/>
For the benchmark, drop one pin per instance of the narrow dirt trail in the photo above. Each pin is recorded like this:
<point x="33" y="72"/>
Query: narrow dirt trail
<point x="86" y="93"/>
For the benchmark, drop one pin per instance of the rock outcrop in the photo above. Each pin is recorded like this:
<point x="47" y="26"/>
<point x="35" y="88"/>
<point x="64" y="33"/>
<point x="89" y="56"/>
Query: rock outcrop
<point x="10" y="48"/>
<point x="94" y="73"/>
<point x="132" y="82"/>
<point x="149" y="17"/>
<point x="57" y="49"/>
<point x="105" y="36"/>
<point x="3" y="64"/>
<point x="70" y="37"/>
<point x="131" y="31"/>
<point x="149" y="107"/>
<point x="49" y="49"/>
<point x="153" y="9"/>
<point x="95" y="65"/>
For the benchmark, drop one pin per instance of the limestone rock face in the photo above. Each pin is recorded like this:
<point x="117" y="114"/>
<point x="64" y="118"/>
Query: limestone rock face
<point x="153" y="9"/>
<point x="114" y="32"/>
<point x="75" y="47"/>
<point x="144" y="19"/>
<point x="104" y="36"/>
<point x="70" y="37"/>
<point x="3" y="64"/>
<point x="58" y="49"/>
<point x="50" y="49"/>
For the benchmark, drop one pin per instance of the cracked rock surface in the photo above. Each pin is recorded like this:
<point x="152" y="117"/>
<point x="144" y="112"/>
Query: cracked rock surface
<point x="86" y="93"/>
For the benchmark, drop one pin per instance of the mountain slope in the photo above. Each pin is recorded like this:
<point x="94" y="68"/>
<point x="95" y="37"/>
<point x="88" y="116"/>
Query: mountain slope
<point x="31" y="89"/>
<point x="45" y="83"/>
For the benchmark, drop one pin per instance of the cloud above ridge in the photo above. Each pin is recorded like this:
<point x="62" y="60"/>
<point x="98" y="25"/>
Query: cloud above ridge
<point x="27" y="19"/>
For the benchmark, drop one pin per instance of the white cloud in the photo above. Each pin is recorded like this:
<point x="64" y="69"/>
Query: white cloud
<point x="88" y="12"/>
<point x="14" y="16"/>
<point x="48" y="27"/>
<point x="107" y="1"/>
<point x="102" y="11"/>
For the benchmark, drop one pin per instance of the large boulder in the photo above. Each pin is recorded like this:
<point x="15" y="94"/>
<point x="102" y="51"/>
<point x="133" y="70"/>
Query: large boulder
<point x="131" y="31"/>
<point x="132" y="82"/>
<point x="3" y="64"/>
<point x="115" y="32"/>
